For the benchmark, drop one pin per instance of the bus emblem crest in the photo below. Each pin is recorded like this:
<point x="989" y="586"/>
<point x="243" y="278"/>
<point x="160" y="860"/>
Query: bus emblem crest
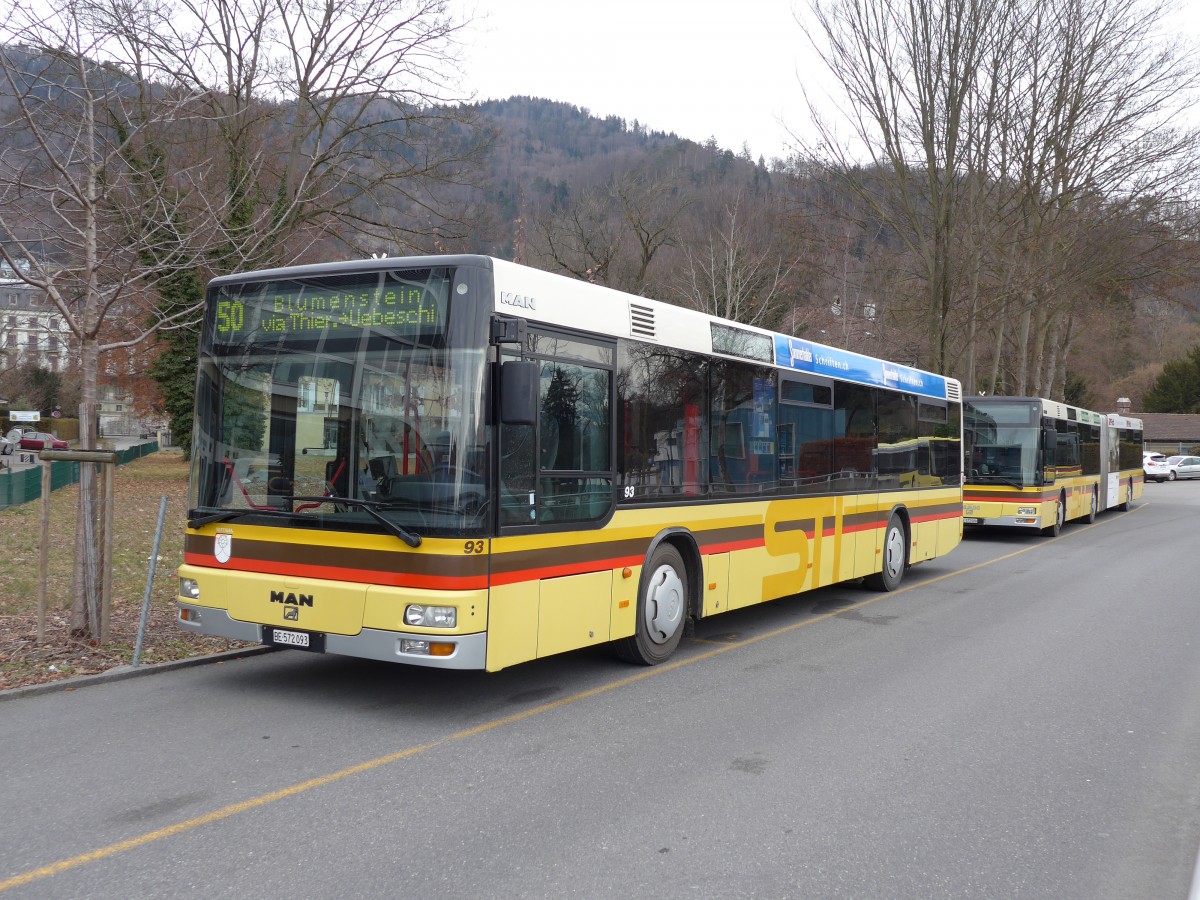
<point x="223" y="547"/>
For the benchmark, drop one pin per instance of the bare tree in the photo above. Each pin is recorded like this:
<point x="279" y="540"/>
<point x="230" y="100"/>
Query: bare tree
<point x="737" y="268"/>
<point x="1005" y="139"/>
<point x="150" y="142"/>
<point x="332" y="120"/>
<point x="331" y="124"/>
<point x="909" y="69"/>
<point x="76" y="211"/>
<point x="581" y="238"/>
<point x="1093" y="149"/>
<point x="611" y="233"/>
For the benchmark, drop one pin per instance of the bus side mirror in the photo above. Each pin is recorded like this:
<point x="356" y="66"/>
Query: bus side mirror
<point x="518" y="392"/>
<point x="1049" y="455"/>
<point x="1050" y="441"/>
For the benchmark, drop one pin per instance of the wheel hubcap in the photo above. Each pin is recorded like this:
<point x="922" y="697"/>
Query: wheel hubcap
<point x="894" y="552"/>
<point x="664" y="604"/>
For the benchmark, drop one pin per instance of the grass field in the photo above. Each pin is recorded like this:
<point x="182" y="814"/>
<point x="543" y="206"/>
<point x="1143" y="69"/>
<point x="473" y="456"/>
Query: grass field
<point x="138" y="490"/>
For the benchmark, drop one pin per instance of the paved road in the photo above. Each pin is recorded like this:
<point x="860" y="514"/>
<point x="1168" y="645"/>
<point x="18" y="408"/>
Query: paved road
<point x="1021" y="720"/>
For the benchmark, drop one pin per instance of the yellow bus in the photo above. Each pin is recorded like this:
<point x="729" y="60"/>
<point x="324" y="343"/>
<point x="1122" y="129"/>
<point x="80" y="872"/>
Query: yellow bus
<point x="460" y="462"/>
<point x="1036" y="464"/>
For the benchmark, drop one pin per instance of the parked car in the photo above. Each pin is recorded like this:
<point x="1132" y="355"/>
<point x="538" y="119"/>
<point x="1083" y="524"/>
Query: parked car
<point x="40" y="440"/>
<point x="1183" y="467"/>
<point x="6" y="447"/>
<point x="1155" y="468"/>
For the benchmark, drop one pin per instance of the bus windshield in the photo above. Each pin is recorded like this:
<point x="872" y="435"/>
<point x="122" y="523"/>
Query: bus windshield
<point x="1001" y="443"/>
<point x="348" y="402"/>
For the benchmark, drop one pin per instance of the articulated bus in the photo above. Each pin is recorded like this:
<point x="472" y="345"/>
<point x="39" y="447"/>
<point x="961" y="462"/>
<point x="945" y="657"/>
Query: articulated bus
<point x="1036" y="464"/>
<point x="460" y="462"/>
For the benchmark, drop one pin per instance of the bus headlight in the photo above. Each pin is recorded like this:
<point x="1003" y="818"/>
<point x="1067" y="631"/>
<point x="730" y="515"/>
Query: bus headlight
<point x="189" y="588"/>
<point x="431" y="616"/>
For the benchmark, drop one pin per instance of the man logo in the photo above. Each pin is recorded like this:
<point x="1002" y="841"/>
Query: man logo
<point x="291" y="614"/>
<point x="289" y="598"/>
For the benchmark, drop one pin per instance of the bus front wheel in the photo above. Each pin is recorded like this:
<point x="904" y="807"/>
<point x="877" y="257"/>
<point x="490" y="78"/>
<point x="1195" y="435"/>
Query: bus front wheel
<point x="661" y="610"/>
<point x="895" y="558"/>
<point x="1060" y="516"/>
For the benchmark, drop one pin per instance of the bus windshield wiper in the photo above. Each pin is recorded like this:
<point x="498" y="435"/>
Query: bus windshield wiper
<point x="997" y="479"/>
<point x="368" y="506"/>
<point x="371" y="508"/>
<point x="224" y="515"/>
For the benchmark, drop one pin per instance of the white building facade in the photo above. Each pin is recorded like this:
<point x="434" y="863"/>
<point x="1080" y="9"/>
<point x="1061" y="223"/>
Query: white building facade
<point x="31" y="328"/>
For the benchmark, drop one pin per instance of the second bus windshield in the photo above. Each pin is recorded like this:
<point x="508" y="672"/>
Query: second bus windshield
<point x="1002" y="443"/>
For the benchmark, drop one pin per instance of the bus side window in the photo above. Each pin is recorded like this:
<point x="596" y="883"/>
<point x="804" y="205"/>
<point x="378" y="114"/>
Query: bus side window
<point x="574" y="404"/>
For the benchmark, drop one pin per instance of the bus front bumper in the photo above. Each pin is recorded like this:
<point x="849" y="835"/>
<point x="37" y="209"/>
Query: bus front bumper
<point x="470" y="649"/>
<point x="1032" y="522"/>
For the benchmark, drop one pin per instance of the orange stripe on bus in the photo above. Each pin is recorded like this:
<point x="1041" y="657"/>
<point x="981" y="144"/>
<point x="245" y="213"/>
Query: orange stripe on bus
<point x="357" y="576"/>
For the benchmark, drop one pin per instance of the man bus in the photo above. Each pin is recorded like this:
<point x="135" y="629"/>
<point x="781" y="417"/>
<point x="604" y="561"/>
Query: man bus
<point x="1036" y="464"/>
<point x="461" y="462"/>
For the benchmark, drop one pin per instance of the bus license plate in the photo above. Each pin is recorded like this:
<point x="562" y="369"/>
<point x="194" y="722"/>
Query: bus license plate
<point x="300" y="640"/>
<point x="968" y="520"/>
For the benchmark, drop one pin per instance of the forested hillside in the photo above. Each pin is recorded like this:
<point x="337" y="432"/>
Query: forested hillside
<point x="795" y="247"/>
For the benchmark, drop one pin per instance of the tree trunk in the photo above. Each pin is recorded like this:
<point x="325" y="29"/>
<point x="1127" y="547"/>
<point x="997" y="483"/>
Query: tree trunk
<point x="1022" y="385"/>
<point x="85" y="608"/>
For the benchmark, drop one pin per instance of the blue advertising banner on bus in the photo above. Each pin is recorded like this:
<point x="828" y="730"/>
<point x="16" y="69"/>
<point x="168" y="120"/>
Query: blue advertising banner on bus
<point x="805" y="356"/>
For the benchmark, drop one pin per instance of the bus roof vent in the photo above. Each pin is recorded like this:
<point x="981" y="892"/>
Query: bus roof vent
<point x="953" y="391"/>
<point x="641" y="321"/>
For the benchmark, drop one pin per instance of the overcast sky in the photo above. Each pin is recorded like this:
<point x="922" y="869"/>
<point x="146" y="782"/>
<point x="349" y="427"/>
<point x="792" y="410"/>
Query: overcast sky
<point x="695" y="67"/>
<point x="698" y="68"/>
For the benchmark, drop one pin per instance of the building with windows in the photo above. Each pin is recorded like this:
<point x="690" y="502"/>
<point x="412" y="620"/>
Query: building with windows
<point x="31" y="328"/>
<point x="115" y="414"/>
<point x="1167" y="433"/>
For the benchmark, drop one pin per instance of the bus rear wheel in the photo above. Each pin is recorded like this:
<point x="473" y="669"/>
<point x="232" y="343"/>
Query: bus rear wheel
<point x="895" y="558"/>
<point x="1060" y="516"/>
<point x="661" y="610"/>
<point x="1093" y="509"/>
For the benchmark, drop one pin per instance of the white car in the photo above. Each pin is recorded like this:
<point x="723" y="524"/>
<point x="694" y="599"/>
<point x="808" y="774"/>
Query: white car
<point x="1183" y="467"/>
<point x="6" y="447"/>
<point x="1155" y="468"/>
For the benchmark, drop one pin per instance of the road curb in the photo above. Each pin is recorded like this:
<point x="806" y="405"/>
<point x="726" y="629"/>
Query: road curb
<point x="121" y="673"/>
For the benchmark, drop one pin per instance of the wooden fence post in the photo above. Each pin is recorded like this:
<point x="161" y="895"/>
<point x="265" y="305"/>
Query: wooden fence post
<point x="106" y="460"/>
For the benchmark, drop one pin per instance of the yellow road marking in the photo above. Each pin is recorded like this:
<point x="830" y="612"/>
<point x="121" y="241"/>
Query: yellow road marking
<point x="234" y="809"/>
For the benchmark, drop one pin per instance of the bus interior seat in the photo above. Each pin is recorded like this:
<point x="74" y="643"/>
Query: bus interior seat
<point x="383" y="470"/>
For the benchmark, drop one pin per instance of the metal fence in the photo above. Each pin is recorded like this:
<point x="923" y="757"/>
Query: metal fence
<point x="26" y="485"/>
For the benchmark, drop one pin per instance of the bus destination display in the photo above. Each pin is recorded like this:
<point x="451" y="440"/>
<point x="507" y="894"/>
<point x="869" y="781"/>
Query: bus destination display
<point x="294" y="309"/>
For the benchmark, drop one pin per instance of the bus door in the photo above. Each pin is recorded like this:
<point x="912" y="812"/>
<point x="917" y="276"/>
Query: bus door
<point x="552" y="587"/>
